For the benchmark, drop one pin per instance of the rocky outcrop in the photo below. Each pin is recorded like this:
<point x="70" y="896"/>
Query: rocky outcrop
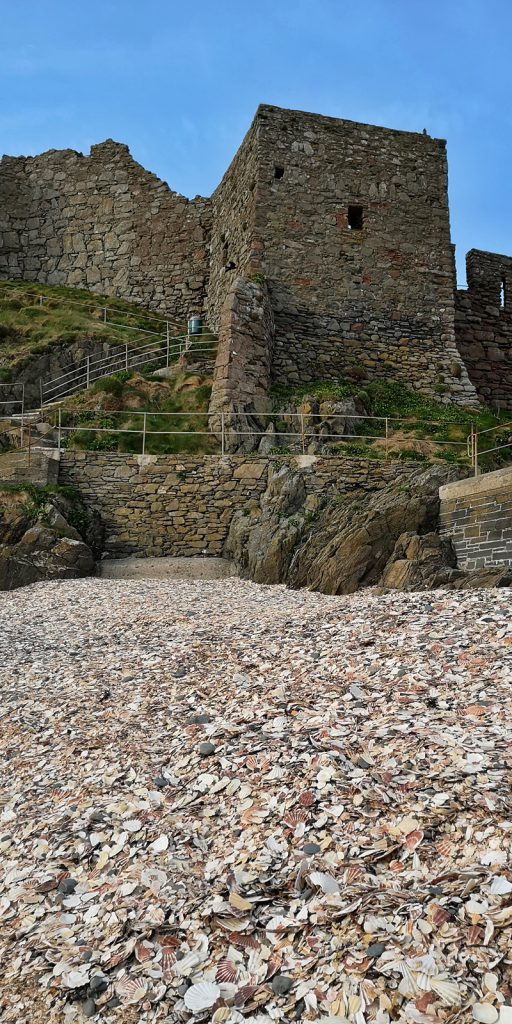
<point x="429" y="562"/>
<point x="338" y="543"/>
<point x="39" y="541"/>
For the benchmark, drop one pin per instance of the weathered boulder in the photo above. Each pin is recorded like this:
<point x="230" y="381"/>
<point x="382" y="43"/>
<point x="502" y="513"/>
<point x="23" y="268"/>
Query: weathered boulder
<point x="344" y="543"/>
<point x="38" y="542"/>
<point x="352" y="542"/>
<point x="429" y="563"/>
<point x="263" y="537"/>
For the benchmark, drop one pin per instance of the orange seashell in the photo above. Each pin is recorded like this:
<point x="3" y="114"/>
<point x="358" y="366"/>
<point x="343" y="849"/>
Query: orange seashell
<point x="307" y="798"/>
<point x="444" y="847"/>
<point x="246" y="941"/>
<point x="396" y="866"/>
<point x="144" y="951"/>
<point x="440" y="916"/>
<point x="475" y="936"/>
<point x="295" y="817"/>
<point x="414" y="839"/>
<point x="352" y="872"/>
<point x="168" y="961"/>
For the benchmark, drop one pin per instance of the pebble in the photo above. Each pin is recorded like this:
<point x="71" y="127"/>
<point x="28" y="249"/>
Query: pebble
<point x="281" y="984"/>
<point x="89" y="1008"/>
<point x="311" y="848"/>
<point x="205" y="749"/>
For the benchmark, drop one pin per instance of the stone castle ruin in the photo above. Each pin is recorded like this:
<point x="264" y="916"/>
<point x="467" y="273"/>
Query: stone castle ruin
<point x="324" y="252"/>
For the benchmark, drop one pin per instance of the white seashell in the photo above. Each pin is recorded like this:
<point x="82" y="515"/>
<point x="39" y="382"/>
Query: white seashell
<point x="491" y="981"/>
<point x="446" y="989"/>
<point x="500" y="886"/>
<point x="132" y="825"/>
<point x="326" y="883"/>
<point x="201" y="996"/>
<point x="160" y="844"/>
<point x="76" y="978"/>
<point x="485" y="1013"/>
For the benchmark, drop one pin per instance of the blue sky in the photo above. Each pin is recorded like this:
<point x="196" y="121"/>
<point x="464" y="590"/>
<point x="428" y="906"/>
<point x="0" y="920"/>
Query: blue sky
<point x="179" y="83"/>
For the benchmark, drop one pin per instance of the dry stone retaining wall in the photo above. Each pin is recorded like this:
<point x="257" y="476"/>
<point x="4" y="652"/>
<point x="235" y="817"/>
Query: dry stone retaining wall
<point x="183" y="506"/>
<point x="477" y="516"/>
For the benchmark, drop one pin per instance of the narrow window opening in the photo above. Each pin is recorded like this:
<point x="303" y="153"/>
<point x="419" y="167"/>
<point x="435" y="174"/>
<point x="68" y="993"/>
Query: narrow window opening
<point x="503" y="293"/>
<point x="278" y="173"/>
<point x="355" y="218"/>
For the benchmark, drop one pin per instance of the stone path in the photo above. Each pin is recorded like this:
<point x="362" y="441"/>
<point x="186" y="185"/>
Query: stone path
<point x="223" y="802"/>
<point x="166" y="568"/>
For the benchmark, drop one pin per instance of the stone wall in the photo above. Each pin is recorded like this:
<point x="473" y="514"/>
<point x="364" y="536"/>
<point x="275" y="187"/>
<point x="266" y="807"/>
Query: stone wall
<point x="477" y="516"/>
<point x="39" y="469"/>
<point x="378" y="295"/>
<point x="483" y="321"/>
<point x="234" y="237"/>
<point x="172" y="505"/>
<point x="242" y="373"/>
<point x="103" y="223"/>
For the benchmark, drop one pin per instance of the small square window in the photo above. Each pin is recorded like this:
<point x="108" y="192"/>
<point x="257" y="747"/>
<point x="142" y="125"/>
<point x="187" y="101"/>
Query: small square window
<point x="355" y="218"/>
<point x="278" y="172"/>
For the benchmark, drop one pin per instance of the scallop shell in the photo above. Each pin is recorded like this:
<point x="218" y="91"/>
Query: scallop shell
<point x="295" y="817"/>
<point x="414" y="839"/>
<point x="167" y="964"/>
<point x="447" y="990"/>
<point x="144" y="951"/>
<point x="226" y="971"/>
<point x="326" y="883"/>
<point x="130" y="991"/>
<point x="201" y="996"/>
<point x="244" y="994"/>
<point x="307" y="798"/>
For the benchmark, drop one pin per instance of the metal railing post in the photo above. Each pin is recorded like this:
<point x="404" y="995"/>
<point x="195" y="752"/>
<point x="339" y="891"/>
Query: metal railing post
<point x="475" y="437"/>
<point x="144" y="434"/>
<point x="87" y="371"/>
<point x="40" y="300"/>
<point x="387" y="439"/>
<point x="60" y="429"/>
<point x="126" y="356"/>
<point x="104" y="314"/>
<point x="222" y="436"/>
<point x="168" y="340"/>
<point x="302" y="438"/>
<point x="41" y="391"/>
<point x="22" y="430"/>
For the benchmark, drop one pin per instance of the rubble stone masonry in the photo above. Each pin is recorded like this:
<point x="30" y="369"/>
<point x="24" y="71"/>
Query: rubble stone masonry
<point x="174" y="505"/>
<point x="344" y="226"/>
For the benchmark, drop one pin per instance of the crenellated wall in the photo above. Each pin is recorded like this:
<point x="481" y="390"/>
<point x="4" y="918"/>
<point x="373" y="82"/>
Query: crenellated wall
<point x="483" y="322"/>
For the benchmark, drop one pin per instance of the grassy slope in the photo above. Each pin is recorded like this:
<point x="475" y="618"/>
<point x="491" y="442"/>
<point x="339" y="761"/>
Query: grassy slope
<point x="27" y="328"/>
<point x="118" y="401"/>
<point x="418" y="429"/>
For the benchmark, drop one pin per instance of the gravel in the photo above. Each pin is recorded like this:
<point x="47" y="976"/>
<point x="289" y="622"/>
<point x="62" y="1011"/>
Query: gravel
<point x="346" y="852"/>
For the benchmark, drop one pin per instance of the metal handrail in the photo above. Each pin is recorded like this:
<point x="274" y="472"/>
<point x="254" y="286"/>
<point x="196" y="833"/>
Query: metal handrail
<point x="224" y="430"/>
<point x="476" y="452"/>
<point x="130" y="356"/>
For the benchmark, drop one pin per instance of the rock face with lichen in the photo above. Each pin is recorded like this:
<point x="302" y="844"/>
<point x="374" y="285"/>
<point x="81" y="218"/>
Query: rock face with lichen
<point x="337" y="546"/>
<point x="38" y="541"/>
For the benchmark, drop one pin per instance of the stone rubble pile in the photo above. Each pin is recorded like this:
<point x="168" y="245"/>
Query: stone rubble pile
<point x="226" y="802"/>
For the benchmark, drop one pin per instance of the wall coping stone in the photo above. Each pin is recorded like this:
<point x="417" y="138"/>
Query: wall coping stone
<point x="477" y="485"/>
